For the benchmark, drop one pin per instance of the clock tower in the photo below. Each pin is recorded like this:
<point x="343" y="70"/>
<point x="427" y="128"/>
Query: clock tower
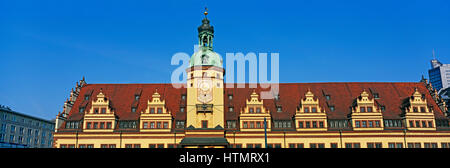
<point x="205" y="108"/>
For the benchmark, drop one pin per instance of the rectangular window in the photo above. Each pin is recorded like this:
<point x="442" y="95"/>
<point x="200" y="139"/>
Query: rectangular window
<point x="145" y="125"/>
<point x="321" y="124"/>
<point x="430" y="124"/>
<point x="369" y="109"/>
<point x="364" y="124"/>
<point x="250" y="110"/>
<point x="88" y="125"/>
<point x="422" y="109"/>
<point x="312" y="145"/>
<point x="204" y="124"/>
<point x="362" y="109"/>
<point x="245" y="124"/>
<point x="308" y="124"/>
<point x="411" y="123"/>
<point x="306" y="109"/>
<point x="415" y="109"/>
<point x="108" y="125"/>
<point x="334" y="145"/>
<point x="291" y="145"/>
<point x="158" y="125"/>
<point x="102" y="125"/>
<point x="314" y="109"/>
<point x="357" y="124"/>
<point x="166" y="125"/>
<point x="377" y="124"/>
<point x="95" y="125"/>
<point x="103" y="110"/>
<point x="300" y="124"/>
<point x="152" y="110"/>
<point x="418" y="124"/>
<point x="314" y="124"/>
<point x="152" y="124"/>
<point x="159" y="110"/>
<point x="258" y="110"/>
<point x="370" y="124"/>
<point x="252" y="124"/>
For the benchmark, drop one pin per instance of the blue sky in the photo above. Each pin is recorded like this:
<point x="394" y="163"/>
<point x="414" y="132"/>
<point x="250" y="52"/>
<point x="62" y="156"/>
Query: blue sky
<point x="46" y="46"/>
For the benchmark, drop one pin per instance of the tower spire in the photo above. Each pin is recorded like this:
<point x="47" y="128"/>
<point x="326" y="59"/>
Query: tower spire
<point x="206" y="12"/>
<point x="434" y="56"/>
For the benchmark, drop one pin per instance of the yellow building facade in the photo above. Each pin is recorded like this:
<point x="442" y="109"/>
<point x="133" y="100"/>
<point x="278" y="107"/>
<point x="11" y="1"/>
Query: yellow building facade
<point x="205" y="114"/>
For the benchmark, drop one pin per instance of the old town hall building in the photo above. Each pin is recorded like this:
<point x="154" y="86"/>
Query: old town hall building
<point x="207" y="114"/>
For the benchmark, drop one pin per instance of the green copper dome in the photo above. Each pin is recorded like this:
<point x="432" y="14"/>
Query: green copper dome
<point x="205" y="57"/>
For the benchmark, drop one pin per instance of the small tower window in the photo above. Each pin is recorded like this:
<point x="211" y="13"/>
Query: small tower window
<point x="376" y="96"/>
<point x="331" y="108"/>
<point x="279" y="109"/>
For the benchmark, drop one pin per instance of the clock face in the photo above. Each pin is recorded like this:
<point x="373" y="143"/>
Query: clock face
<point x="204" y="91"/>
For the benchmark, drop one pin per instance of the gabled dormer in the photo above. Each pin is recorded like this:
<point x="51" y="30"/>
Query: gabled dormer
<point x="253" y="114"/>
<point x="156" y="118"/>
<point x="100" y="117"/>
<point x="365" y="114"/>
<point x="417" y="115"/>
<point x="309" y="115"/>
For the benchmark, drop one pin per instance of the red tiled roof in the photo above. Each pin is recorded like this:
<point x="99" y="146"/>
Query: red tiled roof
<point x="342" y="95"/>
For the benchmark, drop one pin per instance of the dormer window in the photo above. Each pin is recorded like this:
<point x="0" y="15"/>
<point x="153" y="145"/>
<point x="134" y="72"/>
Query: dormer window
<point x="183" y="97"/>
<point x="331" y="108"/>
<point x="136" y="97"/>
<point x="96" y="111"/>
<point x="230" y="97"/>
<point x="376" y="96"/>
<point x="279" y="109"/>
<point x="81" y="109"/>
<point x="422" y="109"/>
<point x="86" y="97"/>
<point x="159" y="110"/>
<point x="327" y="97"/>
<point x="383" y="108"/>
<point x="133" y="109"/>
<point x="362" y="109"/>
<point x="182" y="109"/>
<point x="230" y="109"/>
<point x="369" y="109"/>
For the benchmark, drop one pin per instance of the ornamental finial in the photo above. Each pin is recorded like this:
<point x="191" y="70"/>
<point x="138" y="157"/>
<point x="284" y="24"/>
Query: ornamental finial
<point x="206" y="11"/>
